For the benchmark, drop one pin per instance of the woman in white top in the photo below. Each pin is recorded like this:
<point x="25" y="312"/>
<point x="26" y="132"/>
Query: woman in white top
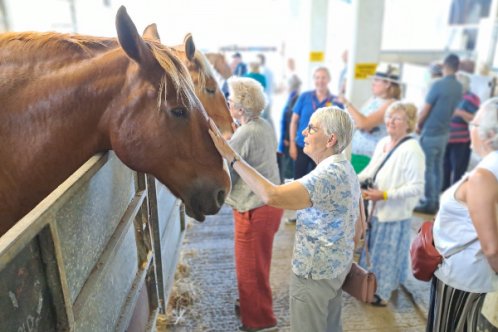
<point x="466" y="230"/>
<point x="398" y="185"/>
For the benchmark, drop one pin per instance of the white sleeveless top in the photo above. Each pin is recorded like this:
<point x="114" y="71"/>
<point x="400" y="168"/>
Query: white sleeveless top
<point x="467" y="270"/>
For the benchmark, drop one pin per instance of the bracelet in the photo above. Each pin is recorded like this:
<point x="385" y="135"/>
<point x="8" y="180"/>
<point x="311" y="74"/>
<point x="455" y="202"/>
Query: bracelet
<point x="235" y="158"/>
<point x="384" y="195"/>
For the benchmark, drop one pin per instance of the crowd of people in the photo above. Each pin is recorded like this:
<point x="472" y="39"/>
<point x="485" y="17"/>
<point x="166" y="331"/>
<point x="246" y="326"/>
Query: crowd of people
<point x="402" y="159"/>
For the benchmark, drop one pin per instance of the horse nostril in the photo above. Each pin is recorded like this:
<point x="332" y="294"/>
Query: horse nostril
<point x="221" y="197"/>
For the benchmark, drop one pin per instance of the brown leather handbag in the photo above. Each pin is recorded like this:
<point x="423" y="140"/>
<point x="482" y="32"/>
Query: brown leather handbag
<point x="360" y="283"/>
<point x="424" y="256"/>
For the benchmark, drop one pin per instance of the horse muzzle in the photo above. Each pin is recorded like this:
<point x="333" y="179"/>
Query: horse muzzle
<point x="205" y="202"/>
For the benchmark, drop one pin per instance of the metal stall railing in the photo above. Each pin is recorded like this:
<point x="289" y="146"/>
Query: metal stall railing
<point x="92" y="255"/>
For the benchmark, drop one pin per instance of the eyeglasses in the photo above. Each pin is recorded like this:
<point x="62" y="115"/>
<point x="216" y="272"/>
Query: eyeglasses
<point x="311" y="130"/>
<point x="472" y="124"/>
<point x="395" y="118"/>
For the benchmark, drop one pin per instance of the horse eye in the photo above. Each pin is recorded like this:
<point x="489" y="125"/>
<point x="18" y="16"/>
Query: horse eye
<point x="211" y="91"/>
<point x="179" y="112"/>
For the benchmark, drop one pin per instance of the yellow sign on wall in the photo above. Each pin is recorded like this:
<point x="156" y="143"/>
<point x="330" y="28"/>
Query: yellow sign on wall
<point x="317" y="56"/>
<point x="363" y="71"/>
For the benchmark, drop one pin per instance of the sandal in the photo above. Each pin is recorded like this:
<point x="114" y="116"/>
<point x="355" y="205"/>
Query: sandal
<point x="378" y="302"/>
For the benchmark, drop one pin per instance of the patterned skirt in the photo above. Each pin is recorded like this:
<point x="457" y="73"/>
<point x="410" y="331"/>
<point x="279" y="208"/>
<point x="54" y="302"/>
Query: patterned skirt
<point x="389" y="245"/>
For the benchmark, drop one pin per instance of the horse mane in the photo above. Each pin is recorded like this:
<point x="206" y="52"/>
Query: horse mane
<point x="50" y="45"/>
<point x="47" y="46"/>
<point x="177" y="72"/>
<point x="205" y="68"/>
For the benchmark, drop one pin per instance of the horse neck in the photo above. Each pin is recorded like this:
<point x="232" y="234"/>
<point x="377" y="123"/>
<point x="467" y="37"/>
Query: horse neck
<point x="63" y="111"/>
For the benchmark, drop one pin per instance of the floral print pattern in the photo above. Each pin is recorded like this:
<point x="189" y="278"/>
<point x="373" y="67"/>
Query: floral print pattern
<point x="324" y="232"/>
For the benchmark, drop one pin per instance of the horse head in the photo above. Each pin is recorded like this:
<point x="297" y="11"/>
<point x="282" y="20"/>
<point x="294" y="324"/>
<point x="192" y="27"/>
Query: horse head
<point x="160" y="127"/>
<point x="206" y="86"/>
<point x="220" y="64"/>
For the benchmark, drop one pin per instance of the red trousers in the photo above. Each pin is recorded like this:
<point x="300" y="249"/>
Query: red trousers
<point x="254" y="233"/>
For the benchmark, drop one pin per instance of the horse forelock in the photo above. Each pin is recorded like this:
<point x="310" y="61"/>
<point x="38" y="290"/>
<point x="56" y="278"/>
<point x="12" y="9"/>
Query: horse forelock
<point x="205" y="69"/>
<point x="177" y="74"/>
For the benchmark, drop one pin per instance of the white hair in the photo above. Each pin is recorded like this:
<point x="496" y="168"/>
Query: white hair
<point x="247" y="94"/>
<point x="488" y="122"/>
<point x="336" y="121"/>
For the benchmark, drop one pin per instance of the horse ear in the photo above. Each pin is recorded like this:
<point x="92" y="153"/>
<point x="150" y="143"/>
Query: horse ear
<point x="189" y="46"/>
<point x="151" y="32"/>
<point x="129" y="39"/>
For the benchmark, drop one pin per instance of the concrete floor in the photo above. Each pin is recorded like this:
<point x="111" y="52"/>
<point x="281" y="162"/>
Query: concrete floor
<point x="208" y="250"/>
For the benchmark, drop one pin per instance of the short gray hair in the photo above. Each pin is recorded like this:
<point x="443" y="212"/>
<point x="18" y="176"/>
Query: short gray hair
<point x="247" y="94"/>
<point x="334" y="120"/>
<point x="488" y="122"/>
<point x="323" y="69"/>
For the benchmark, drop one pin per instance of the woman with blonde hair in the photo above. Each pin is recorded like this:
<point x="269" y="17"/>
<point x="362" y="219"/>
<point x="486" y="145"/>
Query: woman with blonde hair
<point x="255" y="222"/>
<point x="369" y="120"/>
<point x="396" y="174"/>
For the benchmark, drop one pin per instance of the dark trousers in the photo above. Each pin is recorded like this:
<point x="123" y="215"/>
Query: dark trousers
<point x="303" y="164"/>
<point x="456" y="162"/>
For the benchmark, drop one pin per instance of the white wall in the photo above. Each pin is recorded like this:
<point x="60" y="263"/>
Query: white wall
<point x="416" y="25"/>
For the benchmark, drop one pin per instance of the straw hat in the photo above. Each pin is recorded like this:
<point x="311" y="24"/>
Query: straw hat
<point x="388" y="72"/>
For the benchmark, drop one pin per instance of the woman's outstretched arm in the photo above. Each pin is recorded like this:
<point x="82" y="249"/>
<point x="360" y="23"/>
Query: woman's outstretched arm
<point x="292" y="196"/>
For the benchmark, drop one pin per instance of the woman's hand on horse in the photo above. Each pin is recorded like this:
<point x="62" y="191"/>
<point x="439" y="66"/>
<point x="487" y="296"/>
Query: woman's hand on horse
<point x="219" y="141"/>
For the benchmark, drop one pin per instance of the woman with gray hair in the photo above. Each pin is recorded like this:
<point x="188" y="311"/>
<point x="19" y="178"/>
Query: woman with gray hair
<point x="327" y="204"/>
<point x="396" y="182"/>
<point x="457" y="153"/>
<point x="466" y="234"/>
<point x="255" y="222"/>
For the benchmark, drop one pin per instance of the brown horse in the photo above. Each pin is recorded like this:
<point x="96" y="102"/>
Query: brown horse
<point x="66" y="97"/>
<point x="220" y="64"/>
<point x="206" y="86"/>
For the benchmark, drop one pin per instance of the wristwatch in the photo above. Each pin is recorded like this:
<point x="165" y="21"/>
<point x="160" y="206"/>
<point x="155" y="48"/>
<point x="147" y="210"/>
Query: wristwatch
<point x="235" y="158"/>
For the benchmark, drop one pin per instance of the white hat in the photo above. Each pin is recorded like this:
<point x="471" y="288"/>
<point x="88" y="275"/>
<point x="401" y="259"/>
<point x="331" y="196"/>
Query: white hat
<point x="388" y="72"/>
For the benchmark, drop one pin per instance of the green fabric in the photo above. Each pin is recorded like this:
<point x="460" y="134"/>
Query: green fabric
<point x="359" y="162"/>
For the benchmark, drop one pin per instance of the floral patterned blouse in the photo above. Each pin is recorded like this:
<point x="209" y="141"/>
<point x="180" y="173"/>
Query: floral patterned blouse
<point x="323" y="247"/>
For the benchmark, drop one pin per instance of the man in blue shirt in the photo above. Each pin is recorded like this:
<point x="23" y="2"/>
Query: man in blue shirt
<point x="239" y="68"/>
<point x="307" y="103"/>
<point x="434" y="127"/>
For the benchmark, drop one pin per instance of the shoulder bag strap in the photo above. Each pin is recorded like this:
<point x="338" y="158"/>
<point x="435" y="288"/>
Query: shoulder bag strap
<point x="404" y="139"/>
<point x="460" y="248"/>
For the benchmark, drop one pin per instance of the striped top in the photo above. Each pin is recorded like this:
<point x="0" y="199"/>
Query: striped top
<point x="459" y="128"/>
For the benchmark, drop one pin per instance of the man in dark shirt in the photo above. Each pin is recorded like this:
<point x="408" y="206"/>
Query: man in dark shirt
<point x="434" y="126"/>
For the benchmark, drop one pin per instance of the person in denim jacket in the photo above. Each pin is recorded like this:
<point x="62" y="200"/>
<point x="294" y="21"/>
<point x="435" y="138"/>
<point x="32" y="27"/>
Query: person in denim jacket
<point x="327" y="201"/>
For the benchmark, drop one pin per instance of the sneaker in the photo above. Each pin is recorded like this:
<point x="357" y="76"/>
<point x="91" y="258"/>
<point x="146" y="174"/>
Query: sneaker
<point x="260" y="329"/>
<point x="237" y="307"/>
<point x="290" y="221"/>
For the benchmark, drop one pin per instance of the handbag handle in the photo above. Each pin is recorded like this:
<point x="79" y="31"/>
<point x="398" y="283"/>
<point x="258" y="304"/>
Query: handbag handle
<point x="363" y="224"/>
